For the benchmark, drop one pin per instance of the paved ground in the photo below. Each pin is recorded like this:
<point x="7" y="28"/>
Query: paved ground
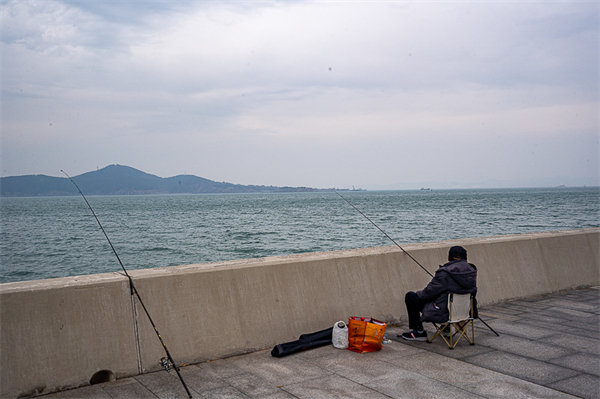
<point x="549" y="347"/>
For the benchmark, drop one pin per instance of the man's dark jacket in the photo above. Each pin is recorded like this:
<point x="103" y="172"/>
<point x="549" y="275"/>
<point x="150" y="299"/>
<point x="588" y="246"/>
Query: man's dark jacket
<point x="458" y="277"/>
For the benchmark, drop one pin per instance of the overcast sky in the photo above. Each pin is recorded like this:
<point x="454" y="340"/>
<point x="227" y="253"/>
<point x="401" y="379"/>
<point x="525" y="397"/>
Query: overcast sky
<point x="390" y="94"/>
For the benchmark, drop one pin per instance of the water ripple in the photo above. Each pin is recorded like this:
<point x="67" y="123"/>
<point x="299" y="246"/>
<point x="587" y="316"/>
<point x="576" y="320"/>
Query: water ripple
<point x="56" y="237"/>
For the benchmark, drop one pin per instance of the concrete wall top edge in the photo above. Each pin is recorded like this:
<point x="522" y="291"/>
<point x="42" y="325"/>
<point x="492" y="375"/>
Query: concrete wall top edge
<point x="61" y="282"/>
<point x="500" y="238"/>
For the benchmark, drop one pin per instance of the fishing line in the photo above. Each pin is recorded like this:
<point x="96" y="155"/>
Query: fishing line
<point x="163" y="362"/>
<point x="386" y="234"/>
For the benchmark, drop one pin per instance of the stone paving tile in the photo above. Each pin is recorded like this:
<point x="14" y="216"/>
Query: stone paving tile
<point x="164" y="385"/>
<point x="279" y="371"/>
<point x="326" y="350"/>
<point x="592" y="321"/>
<point x="576" y="327"/>
<point x="450" y="371"/>
<point x="440" y="347"/>
<point x="580" y="329"/>
<point x="482" y="329"/>
<point x="335" y="386"/>
<point x="524" y="347"/>
<point x="578" y="305"/>
<point x="501" y="313"/>
<point x="545" y="318"/>
<point x="330" y="355"/>
<point x="223" y="393"/>
<point x="91" y="391"/>
<point x="522" y="367"/>
<point x="488" y="314"/>
<point x="358" y="367"/>
<point x="588" y="327"/>
<point x="568" y="313"/>
<point x="408" y="384"/>
<point x="543" y="301"/>
<point x="127" y="388"/>
<point x="472" y="378"/>
<point x="585" y="386"/>
<point x="584" y="298"/>
<point x="224" y="368"/>
<point x="516" y="308"/>
<point x="508" y="387"/>
<point x="397" y="349"/>
<point x="574" y="342"/>
<point x="462" y="350"/>
<point x="519" y="329"/>
<point x="255" y="387"/>
<point x="584" y="362"/>
<point x="200" y="380"/>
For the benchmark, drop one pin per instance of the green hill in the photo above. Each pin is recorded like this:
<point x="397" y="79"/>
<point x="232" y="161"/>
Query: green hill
<point x="124" y="180"/>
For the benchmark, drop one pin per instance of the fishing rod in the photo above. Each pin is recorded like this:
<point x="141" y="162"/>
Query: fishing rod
<point x="410" y="256"/>
<point x="163" y="361"/>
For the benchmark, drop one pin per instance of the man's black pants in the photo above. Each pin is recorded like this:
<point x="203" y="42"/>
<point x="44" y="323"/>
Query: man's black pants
<point x="414" y="306"/>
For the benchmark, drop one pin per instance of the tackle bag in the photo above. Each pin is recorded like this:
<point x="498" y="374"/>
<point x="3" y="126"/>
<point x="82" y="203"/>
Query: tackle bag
<point x="339" y="335"/>
<point x="305" y="342"/>
<point x="365" y="334"/>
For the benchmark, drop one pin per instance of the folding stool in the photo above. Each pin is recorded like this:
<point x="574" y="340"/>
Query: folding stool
<point x="460" y="307"/>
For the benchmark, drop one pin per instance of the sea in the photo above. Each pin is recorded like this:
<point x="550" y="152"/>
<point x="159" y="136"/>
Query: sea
<point x="49" y="237"/>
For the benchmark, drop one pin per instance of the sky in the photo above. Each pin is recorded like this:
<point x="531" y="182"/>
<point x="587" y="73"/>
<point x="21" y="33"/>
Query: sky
<point x="370" y="94"/>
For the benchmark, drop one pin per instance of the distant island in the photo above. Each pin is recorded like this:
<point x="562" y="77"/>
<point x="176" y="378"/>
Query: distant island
<point x="125" y="180"/>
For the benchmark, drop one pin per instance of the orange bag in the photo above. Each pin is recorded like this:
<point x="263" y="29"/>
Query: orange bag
<point x="365" y="334"/>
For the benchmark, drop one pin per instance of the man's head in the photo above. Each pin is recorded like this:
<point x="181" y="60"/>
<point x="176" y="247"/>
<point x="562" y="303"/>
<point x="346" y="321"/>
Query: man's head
<point x="457" y="252"/>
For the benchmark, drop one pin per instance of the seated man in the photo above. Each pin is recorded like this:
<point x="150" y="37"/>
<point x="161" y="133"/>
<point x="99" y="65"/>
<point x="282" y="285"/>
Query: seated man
<point x="457" y="276"/>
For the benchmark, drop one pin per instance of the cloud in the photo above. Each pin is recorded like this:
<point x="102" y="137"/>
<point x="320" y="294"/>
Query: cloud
<point x="300" y="93"/>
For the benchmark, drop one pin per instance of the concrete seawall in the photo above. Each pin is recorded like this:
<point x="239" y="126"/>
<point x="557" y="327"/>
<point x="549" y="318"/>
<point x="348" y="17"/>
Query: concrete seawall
<point x="56" y="334"/>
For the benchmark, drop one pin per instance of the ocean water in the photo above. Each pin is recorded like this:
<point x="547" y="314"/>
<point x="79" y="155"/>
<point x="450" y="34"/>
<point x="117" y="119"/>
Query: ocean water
<point x="51" y="237"/>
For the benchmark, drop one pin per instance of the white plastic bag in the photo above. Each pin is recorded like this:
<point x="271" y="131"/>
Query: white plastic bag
<point x="339" y="336"/>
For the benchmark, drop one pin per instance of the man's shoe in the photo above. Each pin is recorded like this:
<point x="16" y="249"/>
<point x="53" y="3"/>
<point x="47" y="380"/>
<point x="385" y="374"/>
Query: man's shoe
<point x="415" y="336"/>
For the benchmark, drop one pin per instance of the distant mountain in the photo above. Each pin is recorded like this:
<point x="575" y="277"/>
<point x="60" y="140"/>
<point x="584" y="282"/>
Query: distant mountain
<point x="124" y="180"/>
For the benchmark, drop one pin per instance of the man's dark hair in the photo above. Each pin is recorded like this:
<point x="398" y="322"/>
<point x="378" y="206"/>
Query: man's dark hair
<point x="457" y="252"/>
